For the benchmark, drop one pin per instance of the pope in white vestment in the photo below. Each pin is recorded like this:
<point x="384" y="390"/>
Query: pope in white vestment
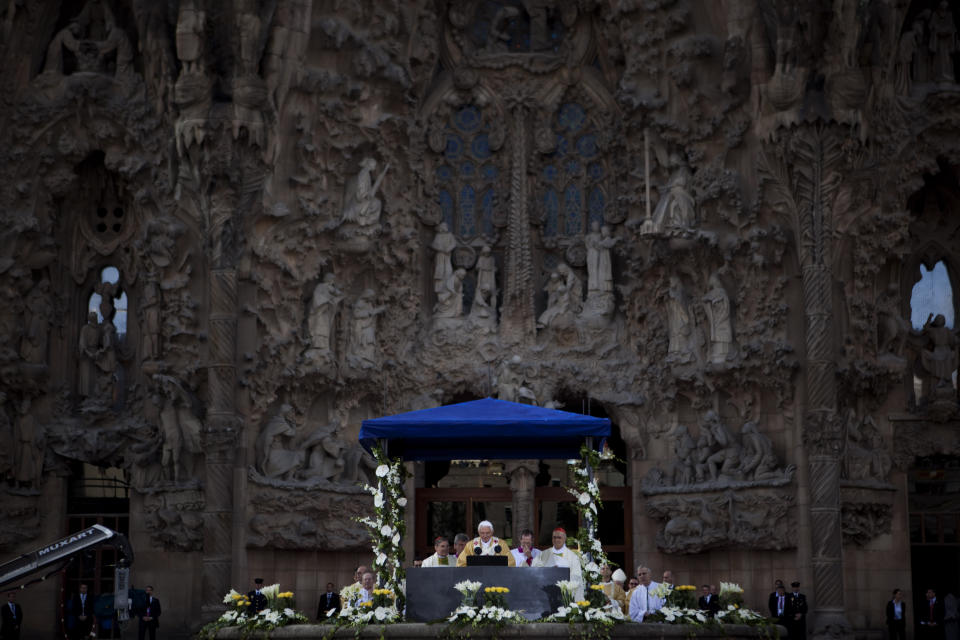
<point x="560" y="556"/>
<point x="487" y="543"/>
<point x="441" y="557"/>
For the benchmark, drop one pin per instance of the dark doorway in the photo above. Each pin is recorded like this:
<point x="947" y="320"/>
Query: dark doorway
<point x="934" y="502"/>
<point x="97" y="495"/>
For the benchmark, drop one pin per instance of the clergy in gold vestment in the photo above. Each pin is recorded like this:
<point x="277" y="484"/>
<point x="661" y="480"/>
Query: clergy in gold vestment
<point x="487" y="544"/>
<point x="613" y="590"/>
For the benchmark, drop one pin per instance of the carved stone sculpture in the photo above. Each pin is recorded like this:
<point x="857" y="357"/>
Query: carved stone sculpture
<point x="91" y="37"/>
<point x="716" y="306"/>
<point x="363" y="332"/>
<point x="107" y="361"/>
<point x="564" y="298"/>
<point x="718" y="459"/>
<point x="324" y="452"/>
<point x="943" y="44"/>
<point x="756" y="519"/>
<point x="676" y="210"/>
<point x="892" y="327"/>
<point x="599" y="268"/>
<point x="192" y="92"/>
<point x="443" y="243"/>
<point x="190" y="39"/>
<point x="599" y="242"/>
<point x="324" y="305"/>
<point x="450" y="298"/>
<point x="360" y="202"/>
<point x="759" y="460"/>
<point x="684" y="450"/>
<point x="681" y="324"/>
<point x="483" y="310"/>
<point x="180" y="430"/>
<point x="866" y="458"/>
<point x="557" y="301"/>
<point x="938" y="359"/>
<point x="512" y="383"/>
<point x="151" y="325"/>
<point x="88" y="346"/>
<point x="39" y="313"/>
<point x="29" y="452"/>
<point x="275" y="459"/>
<point x="907" y="51"/>
<point x="725" y="459"/>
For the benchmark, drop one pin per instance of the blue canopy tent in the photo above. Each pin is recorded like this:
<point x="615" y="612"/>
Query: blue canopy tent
<point x="484" y="429"/>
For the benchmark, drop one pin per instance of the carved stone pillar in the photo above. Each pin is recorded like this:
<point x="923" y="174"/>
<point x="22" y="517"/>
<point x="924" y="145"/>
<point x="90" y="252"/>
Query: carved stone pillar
<point x="220" y="437"/>
<point x="823" y="435"/>
<point x="522" y="475"/>
<point x="804" y="193"/>
<point x="518" y="323"/>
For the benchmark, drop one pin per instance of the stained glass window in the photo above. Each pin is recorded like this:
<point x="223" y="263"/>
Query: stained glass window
<point x="575" y="194"/>
<point x="467" y="179"/>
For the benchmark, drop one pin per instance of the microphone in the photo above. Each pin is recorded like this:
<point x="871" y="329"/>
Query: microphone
<point x="477" y="550"/>
<point x="497" y="548"/>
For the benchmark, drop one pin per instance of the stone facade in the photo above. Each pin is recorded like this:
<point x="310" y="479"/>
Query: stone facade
<point x="232" y="230"/>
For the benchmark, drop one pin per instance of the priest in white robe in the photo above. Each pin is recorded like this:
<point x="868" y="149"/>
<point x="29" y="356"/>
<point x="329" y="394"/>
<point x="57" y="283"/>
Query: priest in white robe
<point x="485" y="544"/>
<point x="441" y="556"/>
<point x="560" y="556"/>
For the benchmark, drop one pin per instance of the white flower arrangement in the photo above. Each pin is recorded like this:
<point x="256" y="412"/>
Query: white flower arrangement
<point x="727" y="588"/>
<point x="567" y="589"/>
<point x="732" y="614"/>
<point x="387" y="527"/>
<point x="483" y="615"/>
<point x="586" y="492"/>
<point x="468" y="588"/>
<point x="583" y="611"/>
<point x="278" y="613"/>
<point x="662" y="590"/>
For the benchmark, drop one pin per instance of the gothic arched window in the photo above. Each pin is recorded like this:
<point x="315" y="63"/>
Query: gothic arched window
<point x="573" y="176"/>
<point x="467" y="176"/>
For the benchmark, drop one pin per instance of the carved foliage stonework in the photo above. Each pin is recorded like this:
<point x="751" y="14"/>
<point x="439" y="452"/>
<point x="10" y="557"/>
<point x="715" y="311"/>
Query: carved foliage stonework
<point x="746" y="518"/>
<point x="301" y="519"/>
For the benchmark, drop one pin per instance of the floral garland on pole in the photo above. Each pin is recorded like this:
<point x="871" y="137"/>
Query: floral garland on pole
<point x="388" y="527"/>
<point x="587" y="493"/>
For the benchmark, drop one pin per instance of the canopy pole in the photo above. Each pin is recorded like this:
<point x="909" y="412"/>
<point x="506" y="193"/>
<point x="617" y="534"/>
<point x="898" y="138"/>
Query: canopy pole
<point x="590" y="523"/>
<point x="382" y="579"/>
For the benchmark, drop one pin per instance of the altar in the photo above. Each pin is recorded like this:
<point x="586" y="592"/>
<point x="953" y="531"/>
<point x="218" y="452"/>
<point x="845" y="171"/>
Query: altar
<point x="533" y="590"/>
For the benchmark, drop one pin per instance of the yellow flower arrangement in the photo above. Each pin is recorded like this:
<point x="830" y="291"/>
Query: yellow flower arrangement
<point x="383" y="592"/>
<point x="368" y="603"/>
<point x="596" y="587"/>
<point x="285" y="594"/>
<point x="496" y="590"/>
<point x="583" y="603"/>
<point x="685" y="587"/>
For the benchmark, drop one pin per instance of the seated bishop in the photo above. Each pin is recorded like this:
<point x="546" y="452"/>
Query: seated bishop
<point x="441" y="556"/>
<point x="559" y="555"/>
<point x="485" y="544"/>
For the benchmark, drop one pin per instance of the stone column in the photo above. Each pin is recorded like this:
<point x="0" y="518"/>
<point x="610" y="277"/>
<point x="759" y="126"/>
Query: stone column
<point x="220" y="437"/>
<point x="518" y="323"/>
<point x="804" y="192"/>
<point x="522" y="475"/>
